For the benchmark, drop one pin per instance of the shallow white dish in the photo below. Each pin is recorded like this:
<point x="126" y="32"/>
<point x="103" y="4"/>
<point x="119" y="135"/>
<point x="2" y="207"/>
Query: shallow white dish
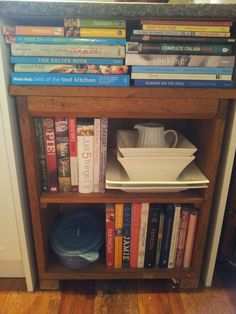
<point x="116" y="175"/>
<point x="154" y="168"/>
<point x="126" y="141"/>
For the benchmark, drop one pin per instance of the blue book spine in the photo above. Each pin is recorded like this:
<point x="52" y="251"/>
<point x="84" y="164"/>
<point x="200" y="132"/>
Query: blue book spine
<point x="187" y="70"/>
<point x="185" y="83"/>
<point x="167" y="232"/>
<point x="68" y="40"/>
<point x="69" y="79"/>
<point x="66" y="60"/>
<point x="126" y="235"/>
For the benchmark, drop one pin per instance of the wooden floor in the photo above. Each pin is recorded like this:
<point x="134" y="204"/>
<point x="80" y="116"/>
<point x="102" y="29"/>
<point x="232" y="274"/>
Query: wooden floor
<point x="120" y="297"/>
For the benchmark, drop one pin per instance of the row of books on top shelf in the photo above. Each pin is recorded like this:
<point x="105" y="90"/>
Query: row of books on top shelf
<point x="181" y="53"/>
<point x="72" y="154"/>
<point x="144" y="235"/>
<point x="84" y="52"/>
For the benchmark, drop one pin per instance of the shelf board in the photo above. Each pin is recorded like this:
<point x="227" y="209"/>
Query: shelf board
<point x="192" y="196"/>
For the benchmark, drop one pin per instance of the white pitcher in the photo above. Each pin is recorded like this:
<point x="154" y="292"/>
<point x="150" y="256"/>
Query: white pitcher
<point x="154" y="135"/>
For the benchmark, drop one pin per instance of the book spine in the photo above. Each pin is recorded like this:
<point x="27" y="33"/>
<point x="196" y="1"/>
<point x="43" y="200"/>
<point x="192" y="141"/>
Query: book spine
<point x="97" y="154"/>
<point x="99" y="51"/>
<point x="103" y="154"/>
<point x="95" y="23"/>
<point x="135" y="228"/>
<point x="143" y="234"/>
<point x="95" y="32"/>
<point x="160" y="237"/>
<point x="169" y="76"/>
<point x="182" y="236"/>
<point x="174" y="236"/>
<point x="66" y="60"/>
<point x="182" y="70"/>
<point x="60" y="79"/>
<point x="51" y="40"/>
<point x="185" y="83"/>
<point x="126" y="235"/>
<point x="180" y="33"/>
<point x="33" y="30"/>
<point x="169" y="48"/>
<point x="71" y="68"/>
<point x="73" y="154"/>
<point x="119" y="217"/>
<point x="50" y="147"/>
<point x="41" y="152"/>
<point x="186" y="28"/>
<point x="85" y="135"/>
<point x="167" y="232"/>
<point x="190" y="238"/>
<point x="186" y="22"/>
<point x="63" y="154"/>
<point x="152" y="234"/>
<point x="110" y="235"/>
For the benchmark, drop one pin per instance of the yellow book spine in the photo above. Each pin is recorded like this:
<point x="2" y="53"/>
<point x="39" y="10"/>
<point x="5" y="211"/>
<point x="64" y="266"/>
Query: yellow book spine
<point x="119" y="213"/>
<point x="102" y="32"/>
<point x="186" y="28"/>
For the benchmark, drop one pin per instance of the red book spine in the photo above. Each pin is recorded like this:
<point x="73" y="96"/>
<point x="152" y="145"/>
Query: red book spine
<point x="110" y="235"/>
<point x="73" y="154"/>
<point x="103" y="154"/>
<point x="135" y="227"/>
<point x="50" y="147"/>
<point x="190" y="239"/>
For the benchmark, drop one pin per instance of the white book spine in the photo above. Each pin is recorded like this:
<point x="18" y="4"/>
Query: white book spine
<point x="103" y="152"/>
<point x="97" y="154"/>
<point x="143" y="234"/>
<point x="174" y="237"/>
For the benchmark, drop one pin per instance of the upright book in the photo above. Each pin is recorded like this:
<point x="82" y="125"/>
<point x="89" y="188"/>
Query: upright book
<point x="126" y="235"/>
<point x="110" y="235"/>
<point x="72" y="132"/>
<point x="135" y="229"/>
<point x="119" y="218"/>
<point x="143" y="234"/>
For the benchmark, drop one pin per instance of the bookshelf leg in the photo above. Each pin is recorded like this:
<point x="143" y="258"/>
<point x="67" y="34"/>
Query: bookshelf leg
<point x="49" y="285"/>
<point x="189" y="283"/>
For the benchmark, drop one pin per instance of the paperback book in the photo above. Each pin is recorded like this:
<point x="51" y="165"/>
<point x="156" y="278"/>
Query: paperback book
<point x="110" y="235"/>
<point x="177" y="76"/>
<point x="180" y="33"/>
<point x="94" y="23"/>
<point x="95" y="32"/>
<point x="32" y="30"/>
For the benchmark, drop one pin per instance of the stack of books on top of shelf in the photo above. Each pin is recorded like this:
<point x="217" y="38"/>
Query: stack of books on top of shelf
<point x="84" y="52"/>
<point x="144" y="235"/>
<point x="181" y="53"/>
<point x="72" y="153"/>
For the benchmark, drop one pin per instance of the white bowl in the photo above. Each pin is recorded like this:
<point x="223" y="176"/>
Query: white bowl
<point x="126" y="141"/>
<point x="154" y="168"/>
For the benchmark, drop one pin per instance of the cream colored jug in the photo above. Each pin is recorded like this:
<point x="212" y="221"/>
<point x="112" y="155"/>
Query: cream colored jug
<point x="154" y="135"/>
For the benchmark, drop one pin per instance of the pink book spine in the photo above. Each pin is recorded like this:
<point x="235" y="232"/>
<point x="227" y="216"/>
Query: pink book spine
<point x="190" y="238"/>
<point x="182" y="237"/>
<point x="185" y="22"/>
<point x="96" y="154"/>
<point x="103" y="154"/>
<point x="73" y="154"/>
<point x="110" y="235"/>
<point x="135" y="227"/>
<point x="51" y="155"/>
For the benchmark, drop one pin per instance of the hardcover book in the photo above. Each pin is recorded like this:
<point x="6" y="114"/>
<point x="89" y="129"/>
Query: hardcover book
<point x="186" y="22"/>
<point x="95" y="32"/>
<point x="74" y="174"/>
<point x="103" y="154"/>
<point x="33" y="30"/>
<point x="187" y="28"/>
<point x="160" y="236"/>
<point x="174" y="236"/>
<point x="110" y="235"/>
<point x="97" y="154"/>
<point x="94" y="23"/>
<point x="143" y="234"/>
<point x="180" y="76"/>
<point x="126" y="235"/>
<point x="119" y="218"/>
<point x="180" y="33"/>
<point x="135" y="229"/>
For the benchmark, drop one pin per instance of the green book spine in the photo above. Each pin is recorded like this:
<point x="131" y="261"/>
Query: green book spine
<point x="96" y="23"/>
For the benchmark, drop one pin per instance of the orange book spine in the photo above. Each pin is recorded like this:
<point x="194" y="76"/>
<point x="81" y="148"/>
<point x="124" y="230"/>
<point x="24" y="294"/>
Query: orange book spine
<point x="135" y="227"/>
<point x="119" y="216"/>
<point x="33" y="30"/>
<point x="190" y="238"/>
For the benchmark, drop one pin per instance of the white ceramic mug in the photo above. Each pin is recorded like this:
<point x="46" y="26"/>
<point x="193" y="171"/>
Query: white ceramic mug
<point x="154" y="135"/>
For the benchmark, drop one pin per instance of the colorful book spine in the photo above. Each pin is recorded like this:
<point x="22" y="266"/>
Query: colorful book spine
<point x="72" y="68"/>
<point x="66" y="60"/>
<point x="186" y="22"/>
<point x="33" y="30"/>
<point x="53" y="40"/>
<point x="63" y="154"/>
<point x="184" y="216"/>
<point x="126" y="235"/>
<point x="190" y="238"/>
<point x="97" y="154"/>
<point x="85" y="135"/>
<point x="119" y="218"/>
<point x="103" y="154"/>
<point x="160" y="236"/>
<point x="94" y="51"/>
<point x="38" y="122"/>
<point x="74" y="174"/>
<point x="182" y="70"/>
<point x="95" y="23"/>
<point x="174" y="237"/>
<point x="186" y="28"/>
<point x="180" y="60"/>
<point x="188" y="48"/>
<point x="95" y="32"/>
<point x="51" y="156"/>
<point x="185" y="83"/>
<point x="167" y="232"/>
<point x="143" y="234"/>
<point x="110" y="235"/>
<point x="180" y="33"/>
<point x="135" y="227"/>
<point x="152" y="234"/>
<point x="69" y="79"/>
<point x="174" y="76"/>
